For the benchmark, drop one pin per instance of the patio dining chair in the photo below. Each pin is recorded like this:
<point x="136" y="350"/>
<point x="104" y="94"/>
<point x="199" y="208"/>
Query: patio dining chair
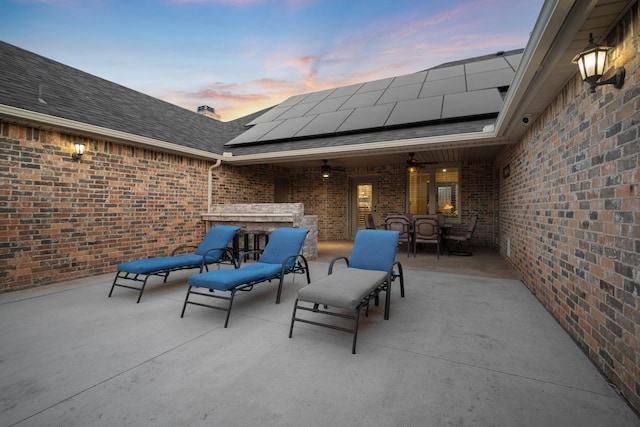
<point x="212" y="250"/>
<point x="426" y="229"/>
<point x="401" y="224"/>
<point x="281" y="256"/>
<point x="463" y="237"/>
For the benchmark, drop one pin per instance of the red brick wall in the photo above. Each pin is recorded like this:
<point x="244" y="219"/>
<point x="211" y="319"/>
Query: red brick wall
<point x="479" y="195"/>
<point x="571" y="211"/>
<point x="325" y="198"/>
<point x="63" y="219"/>
<point x="242" y="184"/>
<point x="330" y="201"/>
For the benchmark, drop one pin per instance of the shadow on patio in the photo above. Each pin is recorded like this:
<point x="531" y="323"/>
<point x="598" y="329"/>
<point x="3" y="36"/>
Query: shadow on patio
<point x="484" y="262"/>
<point x="463" y="348"/>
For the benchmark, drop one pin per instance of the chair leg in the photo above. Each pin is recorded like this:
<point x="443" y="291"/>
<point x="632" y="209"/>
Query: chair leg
<point x="226" y="321"/>
<point x="458" y="251"/>
<point x="355" y="331"/>
<point x="401" y="276"/>
<point x="279" y="289"/>
<point x="185" y="302"/>
<point x="293" y="317"/>
<point x="126" y="277"/>
<point x="387" y="298"/>
<point x="114" y="284"/>
<point x="142" y="289"/>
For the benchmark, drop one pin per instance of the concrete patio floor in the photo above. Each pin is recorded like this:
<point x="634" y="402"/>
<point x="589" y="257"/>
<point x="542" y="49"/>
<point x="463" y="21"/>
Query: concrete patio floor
<point x="466" y="347"/>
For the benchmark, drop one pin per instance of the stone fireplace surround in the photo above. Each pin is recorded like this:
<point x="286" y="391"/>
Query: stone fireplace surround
<point x="267" y="217"/>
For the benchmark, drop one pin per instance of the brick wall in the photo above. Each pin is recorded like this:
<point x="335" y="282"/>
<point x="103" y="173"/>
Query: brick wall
<point x="571" y="212"/>
<point x="243" y="184"/>
<point x="479" y="195"/>
<point x="63" y="219"/>
<point x="329" y="199"/>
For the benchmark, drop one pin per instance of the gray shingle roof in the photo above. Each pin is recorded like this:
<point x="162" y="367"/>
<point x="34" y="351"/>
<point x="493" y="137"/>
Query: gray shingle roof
<point x="27" y="79"/>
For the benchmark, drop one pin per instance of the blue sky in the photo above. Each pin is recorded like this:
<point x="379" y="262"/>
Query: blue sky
<point x="240" y="56"/>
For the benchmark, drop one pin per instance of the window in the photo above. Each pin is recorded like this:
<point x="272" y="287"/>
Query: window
<point x="435" y="191"/>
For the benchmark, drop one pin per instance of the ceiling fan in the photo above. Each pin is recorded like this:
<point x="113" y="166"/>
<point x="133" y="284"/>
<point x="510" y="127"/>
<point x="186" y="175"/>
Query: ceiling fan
<point x="326" y="169"/>
<point x="413" y="164"/>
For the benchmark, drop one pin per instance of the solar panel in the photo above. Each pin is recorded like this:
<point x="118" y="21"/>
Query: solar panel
<point x="445" y="72"/>
<point x="297" y="110"/>
<point x="325" y="123"/>
<point x="514" y="60"/>
<point x="269" y="116"/>
<point x="367" y="117"/>
<point x="328" y="105"/>
<point x="296" y="99"/>
<point x="287" y="129"/>
<point x="443" y="86"/>
<point x="362" y="100"/>
<point x="409" y="79"/>
<point x="486" y="65"/>
<point x="345" y="91"/>
<point x="400" y="93"/>
<point x="416" y="110"/>
<point x="474" y="103"/>
<point x="318" y="96"/>
<point x="495" y="78"/>
<point x="375" y="85"/>
<point x="254" y="133"/>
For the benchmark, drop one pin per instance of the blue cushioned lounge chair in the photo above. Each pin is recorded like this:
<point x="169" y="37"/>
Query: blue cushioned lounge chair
<point x="344" y="292"/>
<point x="280" y="257"/>
<point x="212" y="250"/>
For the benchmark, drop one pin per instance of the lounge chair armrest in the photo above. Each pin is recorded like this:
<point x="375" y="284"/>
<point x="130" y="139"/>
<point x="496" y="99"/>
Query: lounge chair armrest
<point x="300" y="265"/>
<point x="333" y="261"/>
<point x="227" y="250"/>
<point x="393" y="273"/>
<point x="243" y="256"/>
<point x="180" y="248"/>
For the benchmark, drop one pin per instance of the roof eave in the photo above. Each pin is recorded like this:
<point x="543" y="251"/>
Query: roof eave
<point x="20" y="115"/>
<point x="555" y="28"/>
<point x="470" y="139"/>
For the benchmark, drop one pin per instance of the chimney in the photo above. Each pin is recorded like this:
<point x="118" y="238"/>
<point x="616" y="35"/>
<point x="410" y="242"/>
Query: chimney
<point x="210" y="112"/>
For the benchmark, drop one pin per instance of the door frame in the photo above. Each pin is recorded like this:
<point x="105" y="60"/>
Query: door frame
<point x="353" y="200"/>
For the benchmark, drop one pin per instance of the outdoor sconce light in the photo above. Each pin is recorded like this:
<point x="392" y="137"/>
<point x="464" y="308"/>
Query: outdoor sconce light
<point x="79" y="151"/>
<point x="591" y="63"/>
<point x="325" y="169"/>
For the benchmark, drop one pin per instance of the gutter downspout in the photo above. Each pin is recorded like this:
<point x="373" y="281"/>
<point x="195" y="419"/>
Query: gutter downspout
<point x="210" y="183"/>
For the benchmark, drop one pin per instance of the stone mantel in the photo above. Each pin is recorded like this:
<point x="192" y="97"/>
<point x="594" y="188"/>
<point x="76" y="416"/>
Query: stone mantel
<point x="249" y="217"/>
<point x="267" y="217"/>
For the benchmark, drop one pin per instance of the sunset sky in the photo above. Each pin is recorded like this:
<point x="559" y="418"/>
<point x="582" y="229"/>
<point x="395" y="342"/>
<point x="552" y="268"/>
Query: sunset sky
<point x="241" y="56"/>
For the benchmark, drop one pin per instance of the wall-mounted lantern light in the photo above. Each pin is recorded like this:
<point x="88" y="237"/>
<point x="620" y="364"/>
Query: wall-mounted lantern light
<point x="591" y="62"/>
<point x="77" y="155"/>
<point x="325" y="169"/>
